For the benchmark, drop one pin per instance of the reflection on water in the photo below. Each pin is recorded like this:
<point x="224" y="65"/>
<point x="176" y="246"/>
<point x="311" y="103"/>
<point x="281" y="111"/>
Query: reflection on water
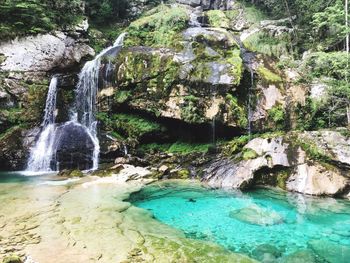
<point x="265" y="224"/>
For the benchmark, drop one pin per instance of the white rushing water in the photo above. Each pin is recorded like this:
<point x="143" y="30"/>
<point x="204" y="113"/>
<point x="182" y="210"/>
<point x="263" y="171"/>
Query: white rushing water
<point x="42" y="152"/>
<point x="86" y="95"/>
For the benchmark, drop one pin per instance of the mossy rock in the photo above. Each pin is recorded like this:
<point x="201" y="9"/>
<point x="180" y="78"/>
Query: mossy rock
<point x="160" y="27"/>
<point x="217" y="18"/>
<point x="269" y="76"/>
<point x="12" y="259"/>
<point x="249" y="154"/>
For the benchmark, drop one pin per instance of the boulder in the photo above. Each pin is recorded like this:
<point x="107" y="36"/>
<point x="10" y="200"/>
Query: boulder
<point x="43" y="53"/>
<point x="15" y="146"/>
<point x="74" y="147"/>
<point x="315" y="179"/>
<point x="184" y="87"/>
<point x="331" y="143"/>
<point x="257" y="216"/>
<point x="329" y="251"/>
<point x="302" y="256"/>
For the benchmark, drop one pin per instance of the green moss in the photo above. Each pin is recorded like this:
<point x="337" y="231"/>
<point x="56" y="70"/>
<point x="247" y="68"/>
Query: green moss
<point x="217" y="18"/>
<point x="12" y="259"/>
<point x="191" y="110"/>
<point x="281" y="178"/>
<point x="268" y="76"/>
<point x="160" y="27"/>
<point x="314" y="152"/>
<point x="233" y="57"/>
<point x="181" y="174"/>
<point x="151" y="73"/>
<point x="249" y="154"/>
<point x="236" y="145"/>
<point x="76" y="173"/>
<point x="182" y="148"/>
<point x="237" y="112"/>
<point x="122" y="96"/>
<point x="186" y="148"/>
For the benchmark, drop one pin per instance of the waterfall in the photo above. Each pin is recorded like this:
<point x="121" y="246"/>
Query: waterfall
<point x="86" y="95"/>
<point x="250" y="88"/>
<point x="42" y="152"/>
<point x="213" y="124"/>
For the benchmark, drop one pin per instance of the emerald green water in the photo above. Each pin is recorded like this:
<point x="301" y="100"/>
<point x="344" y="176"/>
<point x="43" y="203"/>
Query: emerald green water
<point x="268" y="225"/>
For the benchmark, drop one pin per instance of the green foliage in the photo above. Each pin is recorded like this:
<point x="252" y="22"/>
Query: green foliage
<point x="122" y="96"/>
<point x="179" y="147"/>
<point x="276" y="115"/>
<point x="318" y="24"/>
<point x="329" y="25"/>
<point x="160" y="27"/>
<point x="265" y="44"/>
<point x="236" y="145"/>
<point x="313" y="151"/>
<point x="322" y="64"/>
<point x="20" y="17"/>
<point x="129" y="125"/>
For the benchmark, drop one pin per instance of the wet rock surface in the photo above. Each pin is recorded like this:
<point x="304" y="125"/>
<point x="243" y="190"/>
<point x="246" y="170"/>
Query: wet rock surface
<point x="74" y="147"/>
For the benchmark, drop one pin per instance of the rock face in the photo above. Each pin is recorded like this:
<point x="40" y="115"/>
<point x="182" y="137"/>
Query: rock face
<point x="315" y="179"/>
<point x="271" y="153"/>
<point x="74" y="148"/>
<point x="208" y="4"/>
<point x="196" y="77"/>
<point x="282" y="161"/>
<point x="43" y="53"/>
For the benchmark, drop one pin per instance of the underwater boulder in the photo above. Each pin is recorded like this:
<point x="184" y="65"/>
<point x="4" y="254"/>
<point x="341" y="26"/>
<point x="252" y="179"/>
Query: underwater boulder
<point x="302" y="256"/>
<point x="257" y="216"/>
<point x="329" y="251"/>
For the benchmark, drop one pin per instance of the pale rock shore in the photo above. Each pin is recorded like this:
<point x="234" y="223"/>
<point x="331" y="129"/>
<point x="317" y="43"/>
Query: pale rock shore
<point x="89" y="221"/>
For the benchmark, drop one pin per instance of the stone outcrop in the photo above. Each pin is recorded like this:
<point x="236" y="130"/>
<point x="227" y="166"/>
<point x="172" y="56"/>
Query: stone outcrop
<point x="289" y="163"/>
<point x="74" y="149"/>
<point x="43" y="53"/>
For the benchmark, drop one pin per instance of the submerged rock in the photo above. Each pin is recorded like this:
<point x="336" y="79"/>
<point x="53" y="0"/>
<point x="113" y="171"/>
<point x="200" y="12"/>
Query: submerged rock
<point x="330" y="252"/>
<point x="266" y="253"/>
<point x="302" y="256"/>
<point x="257" y="216"/>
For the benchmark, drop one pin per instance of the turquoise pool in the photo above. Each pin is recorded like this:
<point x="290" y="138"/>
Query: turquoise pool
<point x="268" y="225"/>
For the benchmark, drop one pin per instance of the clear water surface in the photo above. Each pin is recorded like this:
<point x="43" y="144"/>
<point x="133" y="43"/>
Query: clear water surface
<point x="268" y="225"/>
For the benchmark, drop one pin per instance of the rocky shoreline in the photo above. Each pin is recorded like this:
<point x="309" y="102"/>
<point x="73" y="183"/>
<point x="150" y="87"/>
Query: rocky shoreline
<point x="88" y="221"/>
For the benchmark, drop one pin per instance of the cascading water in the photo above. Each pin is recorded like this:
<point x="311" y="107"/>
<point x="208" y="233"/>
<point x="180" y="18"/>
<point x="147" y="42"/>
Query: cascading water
<point x="86" y="94"/>
<point x="82" y="122"/>
<point x="250" y="101"/>
<point x="41" y="154"/>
